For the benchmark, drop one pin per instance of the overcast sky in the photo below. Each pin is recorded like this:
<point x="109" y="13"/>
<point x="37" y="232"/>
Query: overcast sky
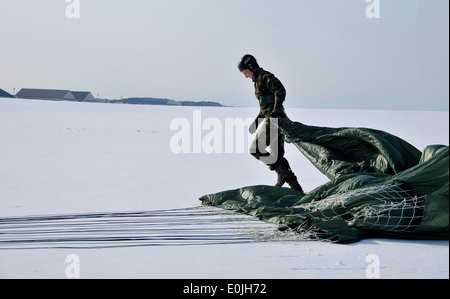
<point x="327" y="53"/>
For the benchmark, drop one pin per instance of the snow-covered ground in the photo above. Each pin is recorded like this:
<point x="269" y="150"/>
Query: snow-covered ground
<point x="66" y="158"/>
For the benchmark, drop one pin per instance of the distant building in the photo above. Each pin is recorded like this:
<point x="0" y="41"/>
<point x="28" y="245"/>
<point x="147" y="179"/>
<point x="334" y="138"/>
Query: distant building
<point x="45" y="94"/>
<point x="4" y="94"/>
<point x="83" y="96"/>
<point x="173" y="103"/>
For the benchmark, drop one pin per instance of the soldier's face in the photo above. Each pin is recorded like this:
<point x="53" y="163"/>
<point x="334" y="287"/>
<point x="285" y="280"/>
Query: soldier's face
<point x="248" y="74"/>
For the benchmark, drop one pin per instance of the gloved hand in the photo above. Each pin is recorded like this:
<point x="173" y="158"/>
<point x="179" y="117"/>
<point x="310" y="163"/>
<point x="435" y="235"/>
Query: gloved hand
<point x="277" y="113"/>
<point x="254" y="126"/>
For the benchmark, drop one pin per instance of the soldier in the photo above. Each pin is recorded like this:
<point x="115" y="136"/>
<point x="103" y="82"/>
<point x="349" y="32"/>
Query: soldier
<point x="271" y="94"/>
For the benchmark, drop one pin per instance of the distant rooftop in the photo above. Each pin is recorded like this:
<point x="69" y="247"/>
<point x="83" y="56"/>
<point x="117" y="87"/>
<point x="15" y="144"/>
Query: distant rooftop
<point x="4" y="94"/>
<point x="83" y="95"/>
<point x="51" y="94"/>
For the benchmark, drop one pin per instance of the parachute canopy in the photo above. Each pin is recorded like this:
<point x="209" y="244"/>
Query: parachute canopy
<point x="380" y="185"/>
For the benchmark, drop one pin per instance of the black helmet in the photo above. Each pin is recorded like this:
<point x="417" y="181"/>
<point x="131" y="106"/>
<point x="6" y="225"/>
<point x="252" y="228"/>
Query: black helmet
<point x="248" y="62"/>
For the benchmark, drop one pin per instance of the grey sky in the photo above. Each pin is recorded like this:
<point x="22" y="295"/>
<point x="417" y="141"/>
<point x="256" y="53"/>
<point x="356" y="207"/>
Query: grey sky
<point x="327" y="53"/>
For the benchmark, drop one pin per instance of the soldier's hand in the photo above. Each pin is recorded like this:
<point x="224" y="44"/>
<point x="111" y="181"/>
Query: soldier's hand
<point x="277" y="113"/>
<point x="253" y="127"/>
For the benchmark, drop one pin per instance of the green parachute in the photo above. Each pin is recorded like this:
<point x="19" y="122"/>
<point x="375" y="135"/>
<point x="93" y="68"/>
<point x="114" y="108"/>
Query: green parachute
<point x="380" y="186"/>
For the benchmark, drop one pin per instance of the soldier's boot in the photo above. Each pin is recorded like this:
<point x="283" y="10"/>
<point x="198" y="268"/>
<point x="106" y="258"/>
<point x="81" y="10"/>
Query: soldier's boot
<point x="293" y="183"/>
<point x="285" y="175"/>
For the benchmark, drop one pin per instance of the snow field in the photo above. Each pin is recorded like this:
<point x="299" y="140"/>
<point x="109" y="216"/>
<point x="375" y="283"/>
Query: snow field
<point x="65" y="157"/>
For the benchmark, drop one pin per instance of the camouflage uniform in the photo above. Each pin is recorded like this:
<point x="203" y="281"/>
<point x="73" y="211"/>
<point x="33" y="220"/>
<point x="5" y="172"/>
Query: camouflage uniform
<point x="271" y="94"/>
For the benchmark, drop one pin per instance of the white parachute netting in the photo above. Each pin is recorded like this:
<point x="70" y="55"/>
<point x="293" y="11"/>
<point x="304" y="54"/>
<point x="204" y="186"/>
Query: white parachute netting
<point x="378" y="208"/>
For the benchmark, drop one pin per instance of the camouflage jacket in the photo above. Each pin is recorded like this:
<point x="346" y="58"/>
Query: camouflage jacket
<point x="270" y="93"/>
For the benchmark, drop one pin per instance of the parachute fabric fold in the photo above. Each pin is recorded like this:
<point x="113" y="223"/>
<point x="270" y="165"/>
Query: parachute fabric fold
<point x="339" y="151"/>
<point x="380" y="186"/>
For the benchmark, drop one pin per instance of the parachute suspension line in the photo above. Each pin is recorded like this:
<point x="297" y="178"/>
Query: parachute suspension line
<point x="178" y="227"/>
